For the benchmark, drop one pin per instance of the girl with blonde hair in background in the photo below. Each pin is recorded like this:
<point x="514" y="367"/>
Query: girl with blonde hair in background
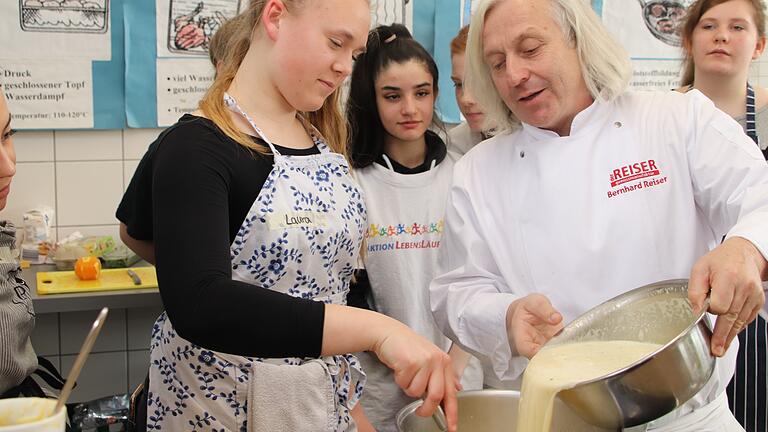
<point x="721" y="39"/>
<point x="474" y="129"/>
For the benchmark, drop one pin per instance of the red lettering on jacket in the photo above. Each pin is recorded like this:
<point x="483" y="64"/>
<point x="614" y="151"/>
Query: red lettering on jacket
<point x="634" y="171"/>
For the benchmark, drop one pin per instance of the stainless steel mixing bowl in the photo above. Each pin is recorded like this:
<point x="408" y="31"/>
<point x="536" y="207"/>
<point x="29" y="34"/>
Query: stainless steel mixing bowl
<point x="491" y="411"/>
<point x="479" y="410"/>
<point x="660" y="382"/>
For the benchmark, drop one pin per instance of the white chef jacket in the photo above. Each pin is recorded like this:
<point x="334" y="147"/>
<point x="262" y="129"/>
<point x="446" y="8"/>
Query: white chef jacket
<point x="461" y="139"/>
<point x="643" y="187"/>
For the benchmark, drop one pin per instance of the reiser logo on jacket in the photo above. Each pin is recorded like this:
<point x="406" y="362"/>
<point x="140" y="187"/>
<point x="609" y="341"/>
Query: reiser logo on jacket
<point x="638" y="175"/>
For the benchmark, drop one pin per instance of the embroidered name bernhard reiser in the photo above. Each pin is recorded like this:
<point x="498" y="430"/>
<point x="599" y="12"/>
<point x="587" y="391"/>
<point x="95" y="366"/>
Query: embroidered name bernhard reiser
<point x="635" y="176"/>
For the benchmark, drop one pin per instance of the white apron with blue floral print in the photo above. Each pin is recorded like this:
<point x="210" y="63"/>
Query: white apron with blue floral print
<point x="302" y="237"/>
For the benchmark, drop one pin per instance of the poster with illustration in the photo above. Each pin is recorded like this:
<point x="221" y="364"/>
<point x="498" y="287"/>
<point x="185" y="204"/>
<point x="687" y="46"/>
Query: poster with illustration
<point x="385" y="12"/>
<point x="468" y="8"/>
<point x="185" y="27"/>
<point x="64" y="16"/>
<point x="650" y="31"/>
<point x="55" y="29"/>
<point x="61" y="63"/>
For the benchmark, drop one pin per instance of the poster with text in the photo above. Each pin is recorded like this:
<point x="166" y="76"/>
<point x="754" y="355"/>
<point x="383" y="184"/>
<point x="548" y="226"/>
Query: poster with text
<point x="41" y="97"/>
<point x="181" y="83"/>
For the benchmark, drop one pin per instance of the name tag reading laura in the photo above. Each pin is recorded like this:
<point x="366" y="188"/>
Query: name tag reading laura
<point x="296" y="220"/>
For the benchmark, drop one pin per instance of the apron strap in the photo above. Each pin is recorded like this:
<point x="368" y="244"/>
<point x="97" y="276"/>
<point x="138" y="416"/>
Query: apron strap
<point x="231" y="103"/>
<point x="747" y="391"/>
<point x="750" y="127"/>
<point x="315" y="134"/>
<point x="48" y="373"/>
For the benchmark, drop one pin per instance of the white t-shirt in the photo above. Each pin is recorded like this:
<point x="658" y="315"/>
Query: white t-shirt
<point x="405" y="228"/>
<point x="642" y="188"/>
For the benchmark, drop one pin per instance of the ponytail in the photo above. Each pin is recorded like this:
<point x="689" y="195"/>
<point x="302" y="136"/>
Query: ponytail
<point x="212" y="103"/>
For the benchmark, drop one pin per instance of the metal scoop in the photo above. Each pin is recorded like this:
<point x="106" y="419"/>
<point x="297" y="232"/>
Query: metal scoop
<point x="85" y="350"/>
<point x="439" y="417"/>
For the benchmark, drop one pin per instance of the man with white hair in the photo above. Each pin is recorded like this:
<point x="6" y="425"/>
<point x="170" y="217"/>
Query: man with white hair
<point x="589" y="191"/>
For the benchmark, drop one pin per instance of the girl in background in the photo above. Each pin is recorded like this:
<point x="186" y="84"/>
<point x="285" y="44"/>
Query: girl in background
<point x="721" y="38"/>
<point x="469" y="132"/>
<point x="405" y="172"/>
<point x="257" y="227"/>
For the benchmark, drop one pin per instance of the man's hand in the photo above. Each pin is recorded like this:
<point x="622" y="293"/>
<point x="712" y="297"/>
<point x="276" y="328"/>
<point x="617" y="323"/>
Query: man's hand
<point x="531" y="322"/>
<point x="731" y="274"/>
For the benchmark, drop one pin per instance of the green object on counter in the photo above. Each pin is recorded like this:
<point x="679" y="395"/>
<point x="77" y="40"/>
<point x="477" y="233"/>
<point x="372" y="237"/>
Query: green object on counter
<point x="98" y="246"/>
<point x="119" y="257"/>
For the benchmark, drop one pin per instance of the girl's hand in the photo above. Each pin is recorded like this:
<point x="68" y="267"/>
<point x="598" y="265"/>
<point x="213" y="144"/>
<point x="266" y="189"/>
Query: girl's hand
<point x="420" y="369"/>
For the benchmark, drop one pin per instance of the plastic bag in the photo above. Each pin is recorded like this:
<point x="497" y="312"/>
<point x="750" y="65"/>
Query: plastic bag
<point x="101" y="415"/>
<point x="37" y="224"/>
<point x="76" y="246"/>
<point x="36" y="230"/>
<point x="98" y="246"/>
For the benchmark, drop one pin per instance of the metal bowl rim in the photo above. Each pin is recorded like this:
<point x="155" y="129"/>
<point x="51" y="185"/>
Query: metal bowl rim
<point x="413" y="406"/>
<point x="648" y="357"/>
<point x="489" y="392"/>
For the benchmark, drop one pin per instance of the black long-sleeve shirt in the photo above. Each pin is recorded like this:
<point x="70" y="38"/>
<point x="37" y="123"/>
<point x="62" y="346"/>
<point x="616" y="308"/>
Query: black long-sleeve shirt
<point x="202" y="187"/>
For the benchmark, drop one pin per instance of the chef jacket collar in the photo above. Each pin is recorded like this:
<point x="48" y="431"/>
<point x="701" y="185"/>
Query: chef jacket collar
<point x="592" y="116"/>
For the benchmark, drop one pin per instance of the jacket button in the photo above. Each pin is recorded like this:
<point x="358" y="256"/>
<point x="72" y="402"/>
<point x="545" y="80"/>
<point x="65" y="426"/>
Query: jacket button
<point x="522" y="153"/>
<point x="617" y="124"/>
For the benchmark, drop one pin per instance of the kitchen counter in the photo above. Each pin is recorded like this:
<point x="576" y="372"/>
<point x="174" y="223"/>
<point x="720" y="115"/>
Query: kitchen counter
<point x="71" y="302"/>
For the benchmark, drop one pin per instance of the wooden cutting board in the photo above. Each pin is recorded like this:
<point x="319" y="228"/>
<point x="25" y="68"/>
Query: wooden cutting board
<point x="61" y="282"/>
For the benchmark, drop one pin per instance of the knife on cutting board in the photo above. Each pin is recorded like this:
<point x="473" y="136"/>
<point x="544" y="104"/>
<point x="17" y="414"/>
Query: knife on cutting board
<point x="63" y="282"/>
<point x="134" y="277"/>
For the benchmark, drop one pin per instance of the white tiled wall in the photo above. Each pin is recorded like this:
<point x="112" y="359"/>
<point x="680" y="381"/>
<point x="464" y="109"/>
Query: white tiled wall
<point x="80" y="174"/>
<point x="120" y="357"/>
<point x="758" y="73"/>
